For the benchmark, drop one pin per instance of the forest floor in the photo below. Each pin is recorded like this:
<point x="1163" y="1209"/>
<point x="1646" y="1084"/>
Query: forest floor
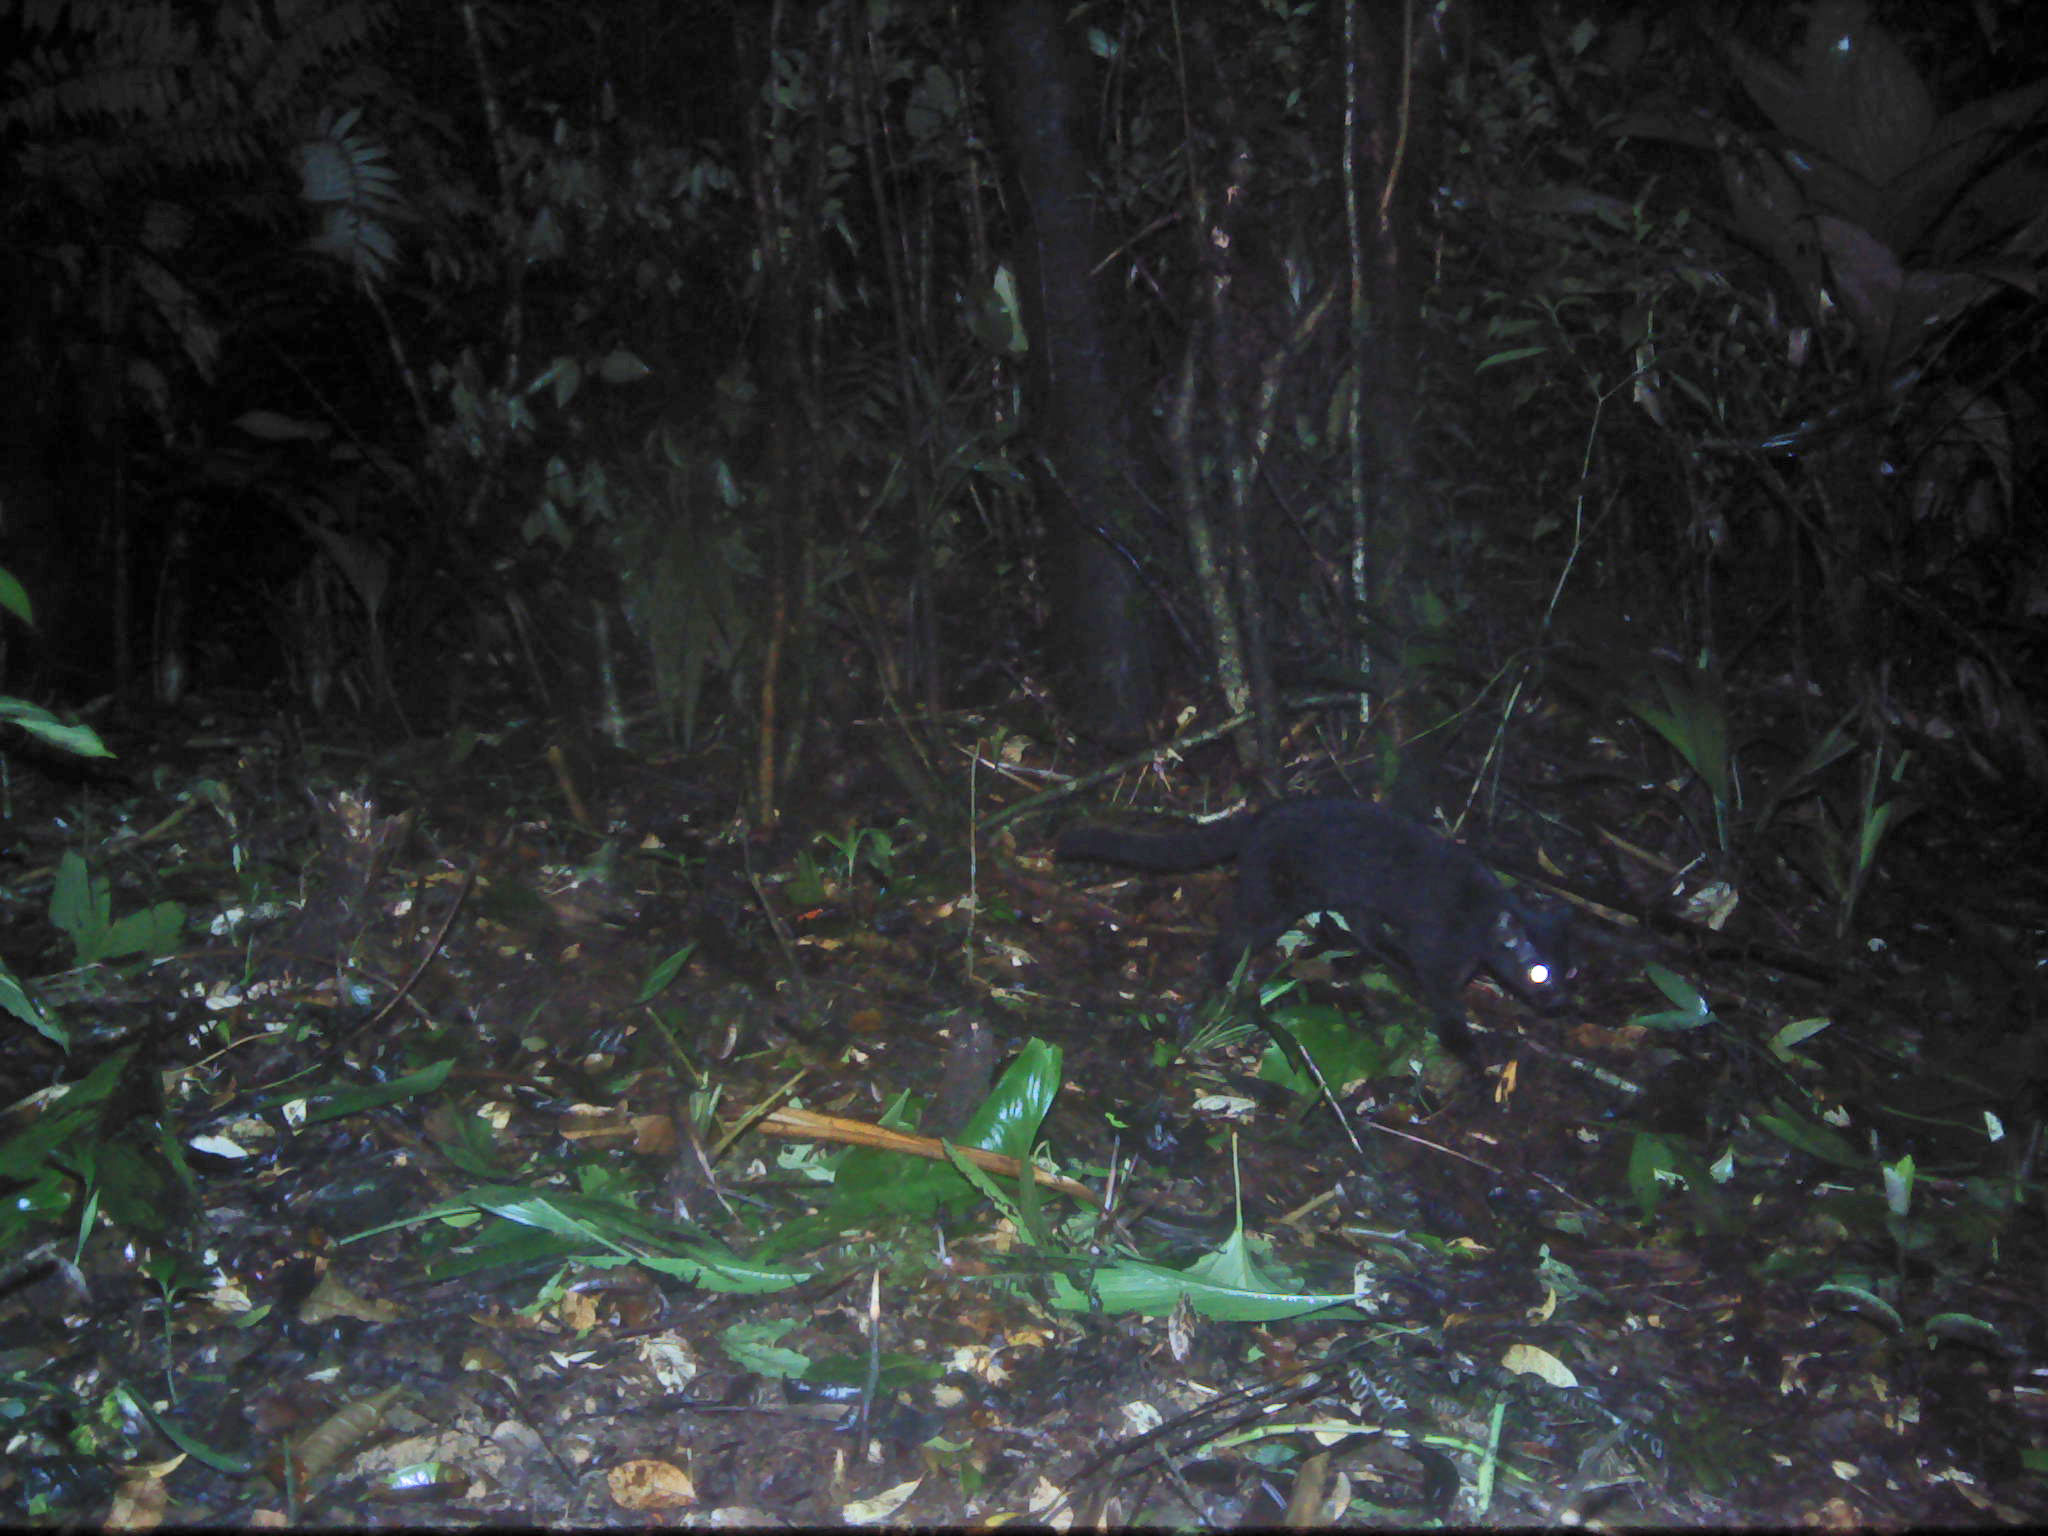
<point x="436" y="1153"/>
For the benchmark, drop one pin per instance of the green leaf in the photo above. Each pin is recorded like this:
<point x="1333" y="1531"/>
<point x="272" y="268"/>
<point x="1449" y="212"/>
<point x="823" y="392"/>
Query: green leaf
<point x="1228" y="1284"/>
<point x="869" y="1184"/>
<point x="719" y="1269"/>
<point x="78" y="740"/>
<point x="1678" y="989"/>
<point x="1236" y="1266"/>
<point x="14" y="999"/>
<point x="621" y="366"/>
<point x="755" y="1345"/>
<point x="1966" y="1329"/>
<point x="806" y="884"/>
<point x="197" y="1449"/>
<point x="664" y="973"/>
<point x="488" y="1243"/>
<point x="623" y="1235"/>
<point x="983" y="1182"/>
<point x="14" y="598"/>
<point x="1691" y="1010"/>
<point x="44" y="1202"/>
<point x="1341" y="1051"/>
<point x="1834" y="743"/>
<point x="333" y="1103"/>
<point x="1692" y="721"/>
<point x="470" y="1142"/>
<point x="1877" y="823"/>
<point x="1667" y="1018"/>
<point x="1649" y="1159"/>
<point x="1131" y="1285"/>
<point x="1811" y="1137"/>
<point x="152" y="933"/>
<point x="1860" y="1300"/>
<point x="69" y="1122"/>
<point x="1654" y="1157"/>
<point x="79" y="906"/>
<point x="128" y="1179"/>
<point x="1797" y="1033"/>
<point x="897" y="1372"/>
<point x="1007" y="1120"/>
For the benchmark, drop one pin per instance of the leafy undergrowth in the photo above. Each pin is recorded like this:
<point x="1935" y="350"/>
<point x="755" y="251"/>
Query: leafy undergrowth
<point x="423" y="1156"/>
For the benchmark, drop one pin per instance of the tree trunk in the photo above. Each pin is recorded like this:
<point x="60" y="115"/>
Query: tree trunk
<point x="1100" y="623"/>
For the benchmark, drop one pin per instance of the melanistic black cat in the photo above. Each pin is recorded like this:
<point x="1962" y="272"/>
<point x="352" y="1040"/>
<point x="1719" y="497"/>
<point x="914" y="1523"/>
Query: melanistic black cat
<point x="1437" y="907"/>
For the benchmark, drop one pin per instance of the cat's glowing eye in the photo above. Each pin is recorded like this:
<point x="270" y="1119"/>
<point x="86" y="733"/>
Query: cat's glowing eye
<point x="1539" y="975"/>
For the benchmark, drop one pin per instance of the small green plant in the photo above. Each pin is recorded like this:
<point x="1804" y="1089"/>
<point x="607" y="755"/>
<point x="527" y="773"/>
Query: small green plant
<point x="173" y="1275"/>
<point x="79" y="741"/>
<point x="1688" y="713"/>
<point x="87" y="1157"/>
<point x="663" y="973"/>
<point x="807" y="882"/>
<point x="1847" y="844"/>
<point x="81" y="904"/>
<point x="1342" y="1049"/>
<point x="1688" y="1009"/>
<point x="860" y="845"/>
<point x="1878" y="817"/>
<point x="1241" y="1280"/>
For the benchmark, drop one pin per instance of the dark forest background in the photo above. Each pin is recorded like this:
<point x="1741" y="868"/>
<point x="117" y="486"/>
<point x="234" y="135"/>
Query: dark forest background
<point x="791" y="364"/>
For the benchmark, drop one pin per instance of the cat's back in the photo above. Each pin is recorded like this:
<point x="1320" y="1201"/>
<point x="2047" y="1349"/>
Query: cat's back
<point x="1326" y="828"/>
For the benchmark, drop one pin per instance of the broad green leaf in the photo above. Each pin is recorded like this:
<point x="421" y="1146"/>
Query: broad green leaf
<point x="1812" y="1137"/>
<point x="1007" y="1120"/>
<point x="151" y="933"/>
<point x="79" y="905"/>
<point x="1861" y="1300"/>
<point x="1132" y="1285"/>
<point x="78" y="740"/>
<point x="197" y="1449"/>
<point x="332" y="1104"/>
<point x="623" y="1234"/>
<point x="1966" y="1329"/>
<point x="14" y="999"/>
<point x="1797" y="1033"/>
<point x="1681" y="992"/>
<point x="620" y="366"/>
<point x="14" y="598"/>
<point x="1649" y="1159"/>
<point x="664" y="973"/>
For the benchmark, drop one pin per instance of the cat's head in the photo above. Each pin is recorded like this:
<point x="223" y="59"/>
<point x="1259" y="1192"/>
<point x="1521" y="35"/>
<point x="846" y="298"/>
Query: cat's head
<point x="1532" y="953"/>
